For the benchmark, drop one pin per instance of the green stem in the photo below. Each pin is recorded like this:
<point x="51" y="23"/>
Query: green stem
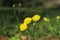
<point x="16" y="15"/>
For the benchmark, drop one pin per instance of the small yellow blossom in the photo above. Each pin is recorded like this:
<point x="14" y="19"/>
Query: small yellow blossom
<point x="58" y="17"/>
<point x="23" y="27"/>
<point x="45" y="19"/>
<point x="27" y="20"/>
<point x="36" y="17"/>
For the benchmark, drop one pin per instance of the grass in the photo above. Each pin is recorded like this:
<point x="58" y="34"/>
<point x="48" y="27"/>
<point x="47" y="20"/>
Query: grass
<point x="48" y="30"/>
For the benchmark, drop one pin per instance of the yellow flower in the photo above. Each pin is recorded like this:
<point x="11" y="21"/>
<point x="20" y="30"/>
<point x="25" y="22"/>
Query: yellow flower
<point x="58" y="17"/>
<point x="27" y="20"/>
<point x="23" y="27"/>
<point x="36" y="17"/>
<point x="45" y="19"/>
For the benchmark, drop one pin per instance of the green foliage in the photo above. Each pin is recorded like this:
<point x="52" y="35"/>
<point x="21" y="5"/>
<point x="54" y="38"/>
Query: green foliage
<point x="9" y="23"/>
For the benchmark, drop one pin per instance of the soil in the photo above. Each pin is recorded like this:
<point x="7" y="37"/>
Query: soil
<point x="4" y="37"/>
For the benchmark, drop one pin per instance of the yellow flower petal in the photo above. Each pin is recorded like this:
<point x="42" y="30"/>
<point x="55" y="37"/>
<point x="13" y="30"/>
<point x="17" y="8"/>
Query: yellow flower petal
<point x="36" y="17"/>
<point x="58" y="17"/>
<point x="45" y="19"/>
<point x="23" y="27"/>
<point x="27" y="20"/>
